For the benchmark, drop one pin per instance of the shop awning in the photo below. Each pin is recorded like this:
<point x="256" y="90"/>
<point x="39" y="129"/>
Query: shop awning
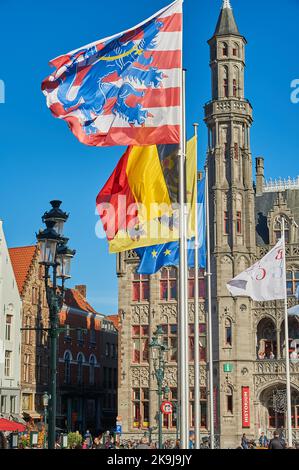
<point x="8" y="425"/>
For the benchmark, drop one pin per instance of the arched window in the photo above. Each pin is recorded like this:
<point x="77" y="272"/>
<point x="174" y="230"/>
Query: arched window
<point x="225" y="82"/>
<point x="266" y="339"/>
<point x="293" y="281"/>
<point x="80" y="360"/>
<point x="92" y="363"/>
<point x="293" y="324"/>
<point x="236" y="50"/>
<point x="226" y="219"/>
<point x="228" y="332"/>
<point x="239" y="214"/>
<point x="225" y="49"/>
<point x="277" y="229"/>
<point x="229" y="400"/>
<point x="235" y="82"/>
<point x="224" y="141"/>
<point x="67" y="367"/>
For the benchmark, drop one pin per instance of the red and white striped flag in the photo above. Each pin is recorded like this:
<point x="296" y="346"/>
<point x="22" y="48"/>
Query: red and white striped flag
<point x="125" y="89"/>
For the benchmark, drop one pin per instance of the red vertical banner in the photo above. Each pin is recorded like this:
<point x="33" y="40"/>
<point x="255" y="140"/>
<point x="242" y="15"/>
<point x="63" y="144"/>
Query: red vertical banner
<point x="245" y="407"/>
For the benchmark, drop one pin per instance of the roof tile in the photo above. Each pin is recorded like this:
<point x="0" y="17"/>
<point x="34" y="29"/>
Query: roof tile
<point x="21" y="259"/>
<point x="114" y="319"/>
<point x="74" y="299"/>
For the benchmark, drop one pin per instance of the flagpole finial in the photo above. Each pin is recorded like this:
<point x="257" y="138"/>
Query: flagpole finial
<point x="226" y="4"/>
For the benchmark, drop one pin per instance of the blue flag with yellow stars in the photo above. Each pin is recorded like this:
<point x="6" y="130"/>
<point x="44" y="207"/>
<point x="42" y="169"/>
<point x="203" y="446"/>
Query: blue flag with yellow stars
<point x="153" y="258"/>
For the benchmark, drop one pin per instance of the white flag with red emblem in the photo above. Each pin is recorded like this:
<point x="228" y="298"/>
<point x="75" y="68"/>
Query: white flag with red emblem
<point x="265" y="280"/>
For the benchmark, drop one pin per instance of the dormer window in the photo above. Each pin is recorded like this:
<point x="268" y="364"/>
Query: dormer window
<point x="277" y="230"/>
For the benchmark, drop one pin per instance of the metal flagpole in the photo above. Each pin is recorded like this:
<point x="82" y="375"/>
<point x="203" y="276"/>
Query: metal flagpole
<point x="210" y="332"/>
<point x="286" y="326"/>
<point x="196" y="313"/>
<point x="183" y="301"/>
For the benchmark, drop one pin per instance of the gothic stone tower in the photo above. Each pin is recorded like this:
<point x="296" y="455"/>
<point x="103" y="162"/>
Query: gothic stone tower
<point x="228" y="118"/>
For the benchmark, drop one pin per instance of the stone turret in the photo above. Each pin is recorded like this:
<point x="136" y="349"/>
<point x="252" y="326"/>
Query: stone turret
<point x="260" y="176"/>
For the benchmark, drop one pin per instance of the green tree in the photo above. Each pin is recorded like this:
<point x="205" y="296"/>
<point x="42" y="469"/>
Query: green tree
<point x="74" y="439"/>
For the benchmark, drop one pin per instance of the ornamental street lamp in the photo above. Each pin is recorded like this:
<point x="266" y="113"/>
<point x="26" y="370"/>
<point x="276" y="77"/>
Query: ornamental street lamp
<point x="45" y="399"/>
<point x="159" y="349"/>
<point x="55" y="256"/>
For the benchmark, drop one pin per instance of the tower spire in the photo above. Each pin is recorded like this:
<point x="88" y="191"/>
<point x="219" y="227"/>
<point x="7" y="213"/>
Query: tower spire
<point x="226" y="4"/>
<point x="226" y="22"/>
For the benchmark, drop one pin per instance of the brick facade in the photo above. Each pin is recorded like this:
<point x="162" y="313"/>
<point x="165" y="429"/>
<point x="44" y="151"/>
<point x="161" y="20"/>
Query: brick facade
<point x="87" y="367"/>
<point x="34" y="344"/>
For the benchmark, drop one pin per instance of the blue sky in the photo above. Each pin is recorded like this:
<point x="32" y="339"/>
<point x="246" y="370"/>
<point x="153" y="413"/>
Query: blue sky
<point x="41" y="160"/>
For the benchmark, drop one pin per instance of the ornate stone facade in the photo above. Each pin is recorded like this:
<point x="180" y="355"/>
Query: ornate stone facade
<point x="244" y="225"/>
<point x="137" y="376"/>
<point x="247" y="336"/>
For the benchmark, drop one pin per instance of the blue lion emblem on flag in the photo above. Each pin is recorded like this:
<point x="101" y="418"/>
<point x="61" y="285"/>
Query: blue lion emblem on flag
<point x="98" y="82"/>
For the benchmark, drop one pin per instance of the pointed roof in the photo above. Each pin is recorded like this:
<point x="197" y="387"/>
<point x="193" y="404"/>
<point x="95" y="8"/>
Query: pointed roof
<point x="73" y="298"/>
<point x="21" y="259"/>
<point x="226" y="21"/>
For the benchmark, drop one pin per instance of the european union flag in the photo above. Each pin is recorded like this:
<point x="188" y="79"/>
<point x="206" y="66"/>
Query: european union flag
<point x="153" y="258"/>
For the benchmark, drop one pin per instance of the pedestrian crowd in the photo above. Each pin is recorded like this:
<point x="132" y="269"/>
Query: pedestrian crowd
<point x="108" y="441"/>
<point x="277" y="442"/>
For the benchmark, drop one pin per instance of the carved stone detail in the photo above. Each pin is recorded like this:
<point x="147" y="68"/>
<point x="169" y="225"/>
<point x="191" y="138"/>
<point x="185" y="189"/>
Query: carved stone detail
<point x="140" y="377"/>
<point x="226" y="260"/>
<point x="170" y="377"/>
<point x="274" y="367"/>
<point x="168" y="313"/>
<point x="202" y="313"/>
<point x="140" y="314"/>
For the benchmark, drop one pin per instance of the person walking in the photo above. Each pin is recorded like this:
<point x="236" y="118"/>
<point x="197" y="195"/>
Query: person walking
<point x="3" y="441"/>
<point x="244" y="442"/>
<point x="276" y="442"/>
<point x="88" y="439"/>
<point x="143" y="444"/>
<point x="263" y="440"/>
<point x="177" y="444"/>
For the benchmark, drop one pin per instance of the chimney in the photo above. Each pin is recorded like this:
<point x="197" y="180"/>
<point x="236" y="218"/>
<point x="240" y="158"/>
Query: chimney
<point x="259" y="161"/>
<point x="82" y="289"/>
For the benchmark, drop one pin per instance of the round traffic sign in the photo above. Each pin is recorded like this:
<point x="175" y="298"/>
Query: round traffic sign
<point x="166" y="407"/>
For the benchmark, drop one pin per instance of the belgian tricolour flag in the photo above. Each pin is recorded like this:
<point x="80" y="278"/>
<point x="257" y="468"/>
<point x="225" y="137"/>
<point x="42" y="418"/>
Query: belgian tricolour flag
<point x="138" y="204"/>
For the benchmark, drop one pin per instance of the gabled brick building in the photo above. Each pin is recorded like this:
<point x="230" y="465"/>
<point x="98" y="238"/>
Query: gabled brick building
<point x="87" y="360"/>
<point x="87" y="366"/>
<point x="34" y="344"/>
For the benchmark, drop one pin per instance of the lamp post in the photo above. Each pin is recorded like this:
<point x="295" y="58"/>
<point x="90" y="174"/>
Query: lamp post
<point x="45" y="405"/>
<point x="149" y="433"/>
<point x="177" y="415"/>
<point x="158" y="349"/>
<point x="55" y="256"/>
